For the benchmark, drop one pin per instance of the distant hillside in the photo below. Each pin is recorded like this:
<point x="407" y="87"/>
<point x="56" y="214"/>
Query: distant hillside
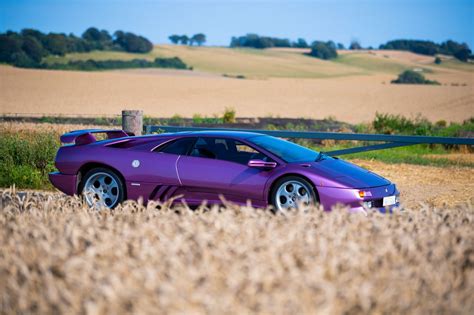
<point x="281" y="62"/>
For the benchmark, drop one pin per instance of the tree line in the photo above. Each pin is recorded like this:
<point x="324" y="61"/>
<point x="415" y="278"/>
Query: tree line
<point x="460" y="51"/>
<point x="262" y="42"/>
<point x="28" y="47"/>
<point x="328" y="50"/>
<point x="198" y="39"/>
<point x="95" y="65"/>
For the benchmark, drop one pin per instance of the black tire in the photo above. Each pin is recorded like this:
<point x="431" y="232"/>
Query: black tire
<point x="303" y="182"/>
<point x="120" y="193"/>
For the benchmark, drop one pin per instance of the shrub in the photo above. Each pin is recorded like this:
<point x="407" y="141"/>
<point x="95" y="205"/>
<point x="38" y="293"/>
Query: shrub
<point x="413" y="77"/>
<point x="259" y="42"/>
<point x="197" y="119"/>
<point x="132" y="43"/>
<point x="27" y="158"/>
<point x="176" y="120"/>
<point x="390" y="124"/>
<point x="397" y="124"/>
<point x="9" y="46"/>
<point x="355" y="45"/>
<point x="229" y="116"/>
<point x="92" y="65"/>
<point x="323" y="50"/>
<point x="437" y="60"/>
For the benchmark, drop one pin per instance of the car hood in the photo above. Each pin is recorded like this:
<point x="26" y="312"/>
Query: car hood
<point x="333" y="172"/>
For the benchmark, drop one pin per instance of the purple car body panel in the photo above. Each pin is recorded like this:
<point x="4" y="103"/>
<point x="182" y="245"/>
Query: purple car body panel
<point x="159" y="176"/>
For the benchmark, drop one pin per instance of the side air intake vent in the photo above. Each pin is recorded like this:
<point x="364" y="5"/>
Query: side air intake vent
<point x="121" y="144"/>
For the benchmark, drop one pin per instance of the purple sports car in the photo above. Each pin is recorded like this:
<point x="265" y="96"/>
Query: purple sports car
<point x="204" y="165"/>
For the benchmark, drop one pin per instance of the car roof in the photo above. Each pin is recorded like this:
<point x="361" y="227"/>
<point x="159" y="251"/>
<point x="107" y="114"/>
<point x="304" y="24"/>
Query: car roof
<point x="219" y="133"/>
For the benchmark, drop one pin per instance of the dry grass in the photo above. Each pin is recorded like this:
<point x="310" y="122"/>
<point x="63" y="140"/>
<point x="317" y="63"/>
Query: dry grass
<point x="59" y="257"/>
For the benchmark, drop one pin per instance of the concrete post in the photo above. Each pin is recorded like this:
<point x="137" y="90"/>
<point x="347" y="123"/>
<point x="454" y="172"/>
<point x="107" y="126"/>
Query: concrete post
<point x="132" y="121"/>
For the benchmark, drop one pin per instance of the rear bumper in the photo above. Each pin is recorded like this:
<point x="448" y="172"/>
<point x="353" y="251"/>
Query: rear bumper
<point x="65" y="183"/>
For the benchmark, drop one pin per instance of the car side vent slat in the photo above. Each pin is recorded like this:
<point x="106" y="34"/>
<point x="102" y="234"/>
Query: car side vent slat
<point x="162" y="192"/>
<point x="121" y="144"/>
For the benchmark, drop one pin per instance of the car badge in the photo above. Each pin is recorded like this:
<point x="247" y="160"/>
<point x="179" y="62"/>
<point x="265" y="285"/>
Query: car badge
<point x="136" y="163"/>
<point x="386" y="190"/>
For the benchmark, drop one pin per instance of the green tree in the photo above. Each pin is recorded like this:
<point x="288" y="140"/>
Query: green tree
<point x="199" y="39"/>
<point x="300" y="43"/>
<point x="56" y="44"/>
<point x="22" y="60"/>
<point x="9" y="45"/>
<point x="174" y="38"/>
<point x="132" y="43"/>
<point x="33" y="48"/>
<point x="463" y="54"/>
<point x="355" y="45"/>
<point x="184" y="39"/>
<point x="323" y="50"/>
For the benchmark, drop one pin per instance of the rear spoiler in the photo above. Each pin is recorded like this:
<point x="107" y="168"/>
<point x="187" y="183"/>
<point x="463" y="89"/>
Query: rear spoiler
<point x="85" y="136"/>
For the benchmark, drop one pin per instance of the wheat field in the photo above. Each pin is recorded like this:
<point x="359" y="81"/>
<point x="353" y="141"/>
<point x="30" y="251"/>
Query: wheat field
<point x="60" y="257"/>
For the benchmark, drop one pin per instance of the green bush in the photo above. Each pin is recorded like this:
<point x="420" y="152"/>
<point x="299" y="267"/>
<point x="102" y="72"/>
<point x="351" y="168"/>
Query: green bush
<point x="397" y="124"/>
<point x="229" y="116"/>
<point x="323" y="50"/>
<point x="413" y="77"/>
<point x="94" y="65"/>
<point x="437" y="60"/>
<point x="27" y="158"/>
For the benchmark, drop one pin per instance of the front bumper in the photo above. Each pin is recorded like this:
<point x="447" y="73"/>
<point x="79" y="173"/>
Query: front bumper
<point x="64" y="182"/>
<point x="330" y="197"/>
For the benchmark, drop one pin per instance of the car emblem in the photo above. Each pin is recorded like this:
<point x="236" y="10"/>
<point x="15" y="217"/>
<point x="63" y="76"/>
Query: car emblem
<point x="136" y="163"/>
<point x="386" y="190"/>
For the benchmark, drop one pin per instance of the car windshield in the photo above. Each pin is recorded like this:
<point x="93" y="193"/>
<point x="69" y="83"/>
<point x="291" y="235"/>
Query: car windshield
<point x="288" y="151"/>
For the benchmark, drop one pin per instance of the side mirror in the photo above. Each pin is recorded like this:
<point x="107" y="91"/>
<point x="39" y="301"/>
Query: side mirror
<point x="261" y="164"/>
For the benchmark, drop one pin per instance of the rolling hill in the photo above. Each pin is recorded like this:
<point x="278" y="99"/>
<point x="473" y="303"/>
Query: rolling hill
<point x="278" y="82"/>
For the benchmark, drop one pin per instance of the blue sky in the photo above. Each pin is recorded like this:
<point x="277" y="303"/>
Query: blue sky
<point x="371" y="22"/>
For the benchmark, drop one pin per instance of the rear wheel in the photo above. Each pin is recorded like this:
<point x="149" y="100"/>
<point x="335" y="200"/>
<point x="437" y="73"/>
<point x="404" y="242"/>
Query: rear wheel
<point x="292" y="192"/>
<point x="102" y="187"/>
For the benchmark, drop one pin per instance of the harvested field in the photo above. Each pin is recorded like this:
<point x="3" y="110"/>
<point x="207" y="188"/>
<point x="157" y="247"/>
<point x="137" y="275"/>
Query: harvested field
<point x="420" y="185"/>
<point x="352" y="99"/>
<point x="58" y="256"/>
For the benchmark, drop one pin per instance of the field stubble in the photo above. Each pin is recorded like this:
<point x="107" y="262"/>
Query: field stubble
<point x="58" y="256"/>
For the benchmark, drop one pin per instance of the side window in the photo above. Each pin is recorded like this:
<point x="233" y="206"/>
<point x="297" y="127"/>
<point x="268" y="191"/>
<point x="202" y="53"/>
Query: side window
<point x="179" y="147"/>
<point x="202" y="148"/>
<point x="244" y="153"/>
<point x="242" y="148"/>
<point x="226" y="149"/>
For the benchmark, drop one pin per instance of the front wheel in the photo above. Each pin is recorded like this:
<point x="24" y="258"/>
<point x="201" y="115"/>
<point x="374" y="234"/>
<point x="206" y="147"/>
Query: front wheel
<point x="102" y="187"/>
<point x="292" y="192"/>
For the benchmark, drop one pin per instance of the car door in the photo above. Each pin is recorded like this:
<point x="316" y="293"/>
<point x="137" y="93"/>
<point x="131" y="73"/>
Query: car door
<point x="218" y="166"/>
<point x="162" y="172"/>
